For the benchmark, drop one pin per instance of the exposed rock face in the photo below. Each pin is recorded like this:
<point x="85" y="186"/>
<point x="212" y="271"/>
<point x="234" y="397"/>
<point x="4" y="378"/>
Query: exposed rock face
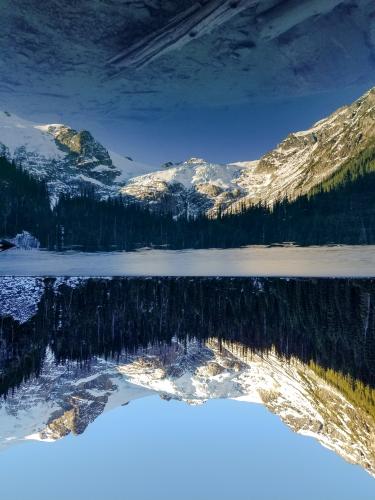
<point x="81" y="144"/>
<point x="193" y="187"/>
<point x="305" y="158"/>
<point x="66" y="159"/>
<point x="194" y="374"/>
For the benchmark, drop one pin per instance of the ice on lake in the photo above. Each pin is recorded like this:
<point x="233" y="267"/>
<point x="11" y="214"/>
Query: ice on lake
<point x="289" y="261"/>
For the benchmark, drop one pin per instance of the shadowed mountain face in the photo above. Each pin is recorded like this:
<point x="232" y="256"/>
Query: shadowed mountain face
<point x="138" y="59"/>
<point x="72" y="348"/>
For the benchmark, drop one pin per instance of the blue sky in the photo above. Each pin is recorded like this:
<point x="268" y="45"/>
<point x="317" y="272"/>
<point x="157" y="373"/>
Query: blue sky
<point x="219" y="134"/>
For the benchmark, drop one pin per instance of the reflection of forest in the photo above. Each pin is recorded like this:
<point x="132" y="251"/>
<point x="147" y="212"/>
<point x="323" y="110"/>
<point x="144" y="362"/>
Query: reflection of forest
<point x="328" y="323"/>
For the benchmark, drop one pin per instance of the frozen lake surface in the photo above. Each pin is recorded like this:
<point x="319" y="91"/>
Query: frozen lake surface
<point x="335" y="261"/>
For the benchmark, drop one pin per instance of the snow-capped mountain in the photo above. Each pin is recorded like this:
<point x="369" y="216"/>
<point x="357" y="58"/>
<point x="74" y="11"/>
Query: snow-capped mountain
<point x="306" y="158"/>
<point x="192" y="187"/>
<point x="67" y="159"/>
<point x="64" y="157"/>
<point x="192" y="373"/>
<point x="294" y="167"/>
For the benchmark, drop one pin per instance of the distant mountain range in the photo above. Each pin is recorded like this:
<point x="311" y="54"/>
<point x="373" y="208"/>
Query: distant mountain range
<point x="68" y="159"/>
<point x="298" y="164"/>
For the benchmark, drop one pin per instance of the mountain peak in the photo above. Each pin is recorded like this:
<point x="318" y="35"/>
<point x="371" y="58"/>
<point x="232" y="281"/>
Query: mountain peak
<point x="195" y="161"/>
<point x="64" y="157"/>
<point x="299" y="163"/>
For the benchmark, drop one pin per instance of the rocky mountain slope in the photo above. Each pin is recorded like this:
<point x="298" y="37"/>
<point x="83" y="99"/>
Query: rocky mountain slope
<point x="194" y="374"/>
<point x="294" y="167"/>
<point x="67" y="159"/>
<point x="192" y="187"/>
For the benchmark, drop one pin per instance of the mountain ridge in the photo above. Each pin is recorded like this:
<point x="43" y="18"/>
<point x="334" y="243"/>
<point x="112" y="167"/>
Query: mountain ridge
<point x="68" y="159"/>
<point x="301" y="162"/>
<point x="65" y="158"/>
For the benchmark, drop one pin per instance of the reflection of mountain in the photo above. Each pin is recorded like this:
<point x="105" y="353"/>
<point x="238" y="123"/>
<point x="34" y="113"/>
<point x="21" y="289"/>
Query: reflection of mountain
<point x="193" y="373"/>
<point x="72" y="348"/>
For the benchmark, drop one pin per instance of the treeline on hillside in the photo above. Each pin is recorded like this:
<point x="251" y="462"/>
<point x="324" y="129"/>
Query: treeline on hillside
<point x="345" y="215"/>
<point x="83" y="222"/>
<point x="340" y="211"/>
<point x="24" y="203"/>
<point x="88" y="223"/>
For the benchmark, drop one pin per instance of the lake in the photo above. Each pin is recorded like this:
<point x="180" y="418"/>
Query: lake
<point x="332" y="261"/>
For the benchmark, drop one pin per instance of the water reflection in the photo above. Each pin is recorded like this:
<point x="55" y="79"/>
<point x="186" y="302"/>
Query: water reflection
<point x="73" y="348"/>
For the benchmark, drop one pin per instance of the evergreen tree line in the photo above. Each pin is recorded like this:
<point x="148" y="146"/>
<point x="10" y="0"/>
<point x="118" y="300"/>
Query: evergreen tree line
<point x="340" y="210"/>
<point x="24" y="202"/>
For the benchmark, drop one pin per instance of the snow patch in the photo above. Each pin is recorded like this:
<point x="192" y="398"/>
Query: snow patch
<point x="20" y="296"/>
<point x="17" y="133"/>
<point x="25" y="241"/>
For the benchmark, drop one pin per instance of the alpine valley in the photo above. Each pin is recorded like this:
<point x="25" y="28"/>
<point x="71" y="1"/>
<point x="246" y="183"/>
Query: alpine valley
<point x="327" y="165"/>
<point x="187" y="249"/>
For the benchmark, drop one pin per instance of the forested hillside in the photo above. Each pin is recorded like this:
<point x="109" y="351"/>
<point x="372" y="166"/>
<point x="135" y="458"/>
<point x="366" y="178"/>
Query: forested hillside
<point x="102" y="317"/>
<point x="24" y="203"/>
<point x="340" y="211"/>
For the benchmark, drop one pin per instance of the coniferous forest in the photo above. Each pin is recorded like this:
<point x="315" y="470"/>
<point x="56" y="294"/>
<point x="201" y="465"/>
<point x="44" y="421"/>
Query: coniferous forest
<point x="339" y="211"/>
<point x="24" y="203"/>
